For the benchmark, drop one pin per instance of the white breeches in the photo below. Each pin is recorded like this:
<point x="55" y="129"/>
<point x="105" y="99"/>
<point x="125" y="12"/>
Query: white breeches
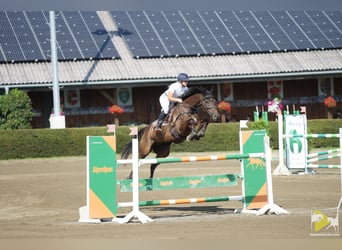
<point x="164" y="103"/>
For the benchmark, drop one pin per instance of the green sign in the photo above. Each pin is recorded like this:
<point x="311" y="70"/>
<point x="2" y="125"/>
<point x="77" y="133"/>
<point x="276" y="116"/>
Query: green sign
<point x="254" y="169"/>
<point x="102" y="176"/>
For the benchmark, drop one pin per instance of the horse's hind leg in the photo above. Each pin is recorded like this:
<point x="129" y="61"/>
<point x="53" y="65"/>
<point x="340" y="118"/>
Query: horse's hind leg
<point x="153" y="168"/>
<point x="162" y="151"/>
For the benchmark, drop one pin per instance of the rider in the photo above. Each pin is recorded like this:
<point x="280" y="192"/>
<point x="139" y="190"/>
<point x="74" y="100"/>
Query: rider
<point x="172" y="95"/>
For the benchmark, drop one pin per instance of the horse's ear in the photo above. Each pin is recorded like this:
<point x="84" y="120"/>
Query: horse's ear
<point x="211" y="90"/>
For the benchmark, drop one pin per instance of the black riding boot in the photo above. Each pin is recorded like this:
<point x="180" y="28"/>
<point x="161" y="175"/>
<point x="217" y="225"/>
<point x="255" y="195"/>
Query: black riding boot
<point x="161" y="117"/>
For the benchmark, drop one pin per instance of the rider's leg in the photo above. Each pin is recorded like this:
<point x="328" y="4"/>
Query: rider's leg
<point x="161" y="117"/>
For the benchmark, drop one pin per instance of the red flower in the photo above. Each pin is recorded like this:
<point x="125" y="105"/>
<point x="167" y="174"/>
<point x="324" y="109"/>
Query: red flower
<point x="116" y="110"/>
<point x="330" y="102"/>
<point x="224" y="106"/>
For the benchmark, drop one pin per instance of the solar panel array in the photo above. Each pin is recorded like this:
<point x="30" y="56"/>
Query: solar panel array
<point x="25" y="36"/>
<point x="189" y="33"/>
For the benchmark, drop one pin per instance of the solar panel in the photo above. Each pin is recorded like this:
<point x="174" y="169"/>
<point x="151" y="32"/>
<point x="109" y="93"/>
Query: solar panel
<point x="24" y="36"/>
<point x="217" y="32"/>
<point x="202" y="33"/>
<point x="226" y="42"/>
<point x="2" y="56"/>
<point x="328" y="28"/>
<point x="66" y="47"/>
<point x="99" y="34"/>
<point x="40" y="25"/>
<point x="257" y="33"/>
<point x="81" y="34"/>
<point x="183" y="33"/>
<point x="147" y="33"/>
<point x="130" y="33"/>
<point x="168" y="37"/>
<point x="287" y="24"/>
<point x="275" y="32"/>
<point x="84" y="35"/>
<point x="316" y="37"/>
<point x="335" y="17"/>
<point x="9" y="45"/>
<point x="238" y="31"/>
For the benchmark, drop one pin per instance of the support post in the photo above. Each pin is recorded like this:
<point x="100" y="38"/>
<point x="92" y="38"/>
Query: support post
<point x="340" y="131"/>
<point x="56" y="119"/>
<point x="270" y="207"/>
<point x="135" y="213"/>
<point x="281" y="168"/>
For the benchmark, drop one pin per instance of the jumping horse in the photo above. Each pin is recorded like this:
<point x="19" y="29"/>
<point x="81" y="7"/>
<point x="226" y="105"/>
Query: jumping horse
<point x="187" y="121"/>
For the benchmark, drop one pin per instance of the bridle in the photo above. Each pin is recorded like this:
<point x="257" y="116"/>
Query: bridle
<point x="206" y="108"/>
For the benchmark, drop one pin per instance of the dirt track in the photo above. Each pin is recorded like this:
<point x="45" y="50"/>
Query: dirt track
<point x="40" y="199"/>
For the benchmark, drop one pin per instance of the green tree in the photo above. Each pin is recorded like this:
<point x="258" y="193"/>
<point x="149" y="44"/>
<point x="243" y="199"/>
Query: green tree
<point x="15" y="110"/>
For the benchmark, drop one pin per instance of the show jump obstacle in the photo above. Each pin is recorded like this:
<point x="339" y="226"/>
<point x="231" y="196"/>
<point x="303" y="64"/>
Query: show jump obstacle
<point x="293" y="146"/>
<point x="102" y="162"/>
<point x="294" y="142"/>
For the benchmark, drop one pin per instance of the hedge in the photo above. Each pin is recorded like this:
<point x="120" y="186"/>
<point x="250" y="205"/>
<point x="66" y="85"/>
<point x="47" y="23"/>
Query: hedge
<point x="34" y="143"/>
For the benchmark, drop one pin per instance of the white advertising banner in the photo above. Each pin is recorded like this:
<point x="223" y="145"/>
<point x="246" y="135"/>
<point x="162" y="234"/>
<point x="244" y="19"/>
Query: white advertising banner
<point x="296" y="147"/>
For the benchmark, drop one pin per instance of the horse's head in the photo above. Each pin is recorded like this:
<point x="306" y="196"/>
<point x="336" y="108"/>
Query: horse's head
<point x="204" y="101"/>
<point x="209" y="106"/>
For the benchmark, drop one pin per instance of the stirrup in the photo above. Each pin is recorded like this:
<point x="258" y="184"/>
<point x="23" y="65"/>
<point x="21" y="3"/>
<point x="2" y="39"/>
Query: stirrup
<point x="157" y="127"/>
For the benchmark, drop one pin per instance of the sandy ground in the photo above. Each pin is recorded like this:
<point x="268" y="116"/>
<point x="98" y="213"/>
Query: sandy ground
<point x="40" y="198"/>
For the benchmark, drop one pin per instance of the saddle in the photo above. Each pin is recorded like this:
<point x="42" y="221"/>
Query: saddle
<point x="170" y="114"/>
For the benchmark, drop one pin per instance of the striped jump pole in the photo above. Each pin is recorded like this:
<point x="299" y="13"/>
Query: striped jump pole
<point x="321" y="156"/>
<point x="201" y="158"/>
<point x="331" y="151"/>
<point x="323" y="166"/>
<point x="182" y="201"/>
<point x="312" y="136"/>
<point x="327" y="157"/>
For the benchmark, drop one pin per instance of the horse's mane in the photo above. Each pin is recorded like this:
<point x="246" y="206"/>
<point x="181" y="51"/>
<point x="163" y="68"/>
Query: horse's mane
<point x="195" y="90"/>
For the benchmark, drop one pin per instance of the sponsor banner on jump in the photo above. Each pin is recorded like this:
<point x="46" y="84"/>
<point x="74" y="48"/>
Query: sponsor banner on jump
<point x="296" y="150"/>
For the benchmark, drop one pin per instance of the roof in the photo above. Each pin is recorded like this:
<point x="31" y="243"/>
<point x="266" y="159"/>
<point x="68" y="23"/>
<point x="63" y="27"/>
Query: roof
<point x="155" y="70"/>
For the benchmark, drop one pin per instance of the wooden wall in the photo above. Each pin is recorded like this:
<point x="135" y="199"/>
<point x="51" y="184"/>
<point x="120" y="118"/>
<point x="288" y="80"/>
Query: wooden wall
<point x="94" y="105"/>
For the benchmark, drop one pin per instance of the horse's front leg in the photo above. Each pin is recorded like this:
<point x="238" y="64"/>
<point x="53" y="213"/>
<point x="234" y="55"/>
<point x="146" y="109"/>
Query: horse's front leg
<point x="201" y="129"/>
<point x="193" y="126"/>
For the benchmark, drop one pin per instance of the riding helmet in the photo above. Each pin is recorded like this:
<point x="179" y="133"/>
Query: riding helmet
<point x="183" y="77"/>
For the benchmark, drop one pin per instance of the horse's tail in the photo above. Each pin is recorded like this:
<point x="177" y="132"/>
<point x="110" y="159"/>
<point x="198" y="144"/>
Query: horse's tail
<point x="127" y="150"/>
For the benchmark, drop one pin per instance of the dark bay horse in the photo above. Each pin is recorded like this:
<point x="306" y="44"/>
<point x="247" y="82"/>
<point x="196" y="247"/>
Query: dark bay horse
<point x="187" y="121"/>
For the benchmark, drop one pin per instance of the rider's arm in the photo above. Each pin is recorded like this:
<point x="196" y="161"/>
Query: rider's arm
<point x="172" y="98"/>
